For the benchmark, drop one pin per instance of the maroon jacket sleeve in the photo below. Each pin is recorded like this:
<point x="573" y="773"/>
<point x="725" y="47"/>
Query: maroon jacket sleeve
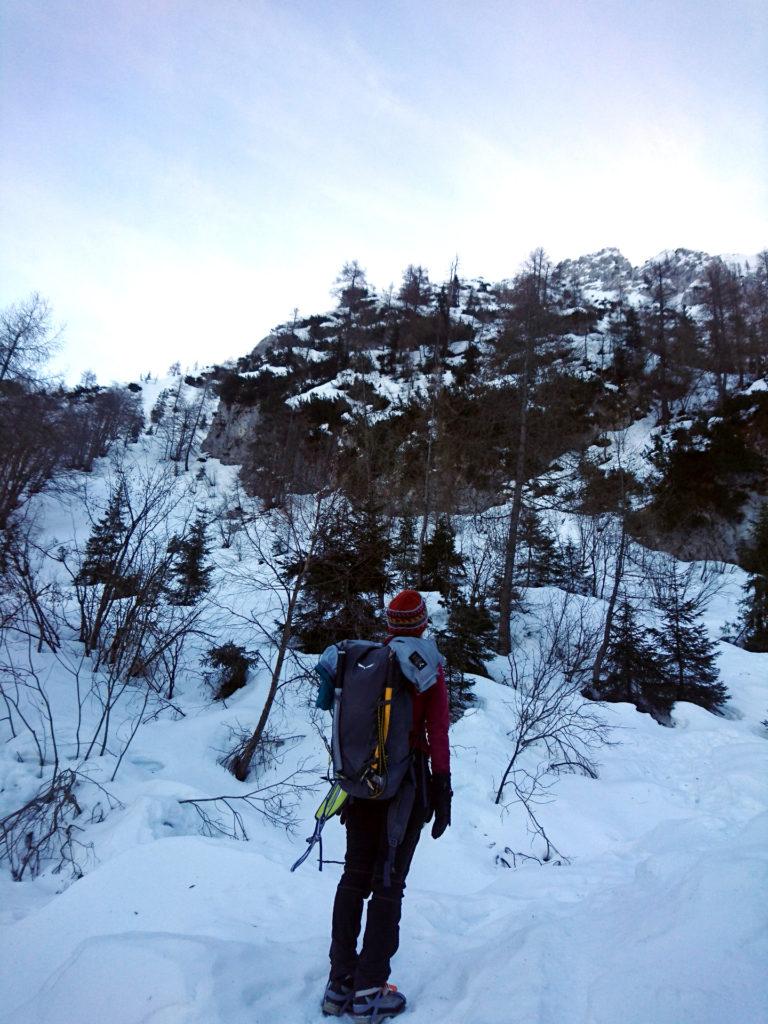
<point x="436" y="719"/>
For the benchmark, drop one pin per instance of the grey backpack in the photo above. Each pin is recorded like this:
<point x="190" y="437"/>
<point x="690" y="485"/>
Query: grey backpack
<point x="372" y="720"/>
<point x="369" y="687"/>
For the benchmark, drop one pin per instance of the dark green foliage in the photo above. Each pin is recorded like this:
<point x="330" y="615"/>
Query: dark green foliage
<point x="632" y="671"/>
<point x="317" y="411"/>
<point x="686" y="654"/>
<point x="345" y="583"/>
<point x="629" y="350"/>
<point x="653" y="668"/>
<point x="189" y="571"/>
<point x="230" y="664"/>
<point x="103" y="562"/>
<point x="405" y="555"/>
<point x="574" y="577"/>
<point x="539" y="560"/>
<point x="475" y="425"/>
<point x="474" y="417"/>
<point x="469" y="365"/>
<point x="709" y="469"/>
<point x="754" y="608"/>
<point x="466" y="642"/>
<point x="605" y="491"/>
<point x="360" y="390"/>
<point x="441" y="566"/>
<point x="247" y="391"/>
<point x="158" y="409"/>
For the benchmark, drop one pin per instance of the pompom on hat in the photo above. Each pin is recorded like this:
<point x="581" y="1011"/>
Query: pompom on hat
<point x="407" y="614"/>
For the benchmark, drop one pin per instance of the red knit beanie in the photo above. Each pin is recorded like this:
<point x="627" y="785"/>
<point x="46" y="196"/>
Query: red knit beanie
<point x="407" y="614"/>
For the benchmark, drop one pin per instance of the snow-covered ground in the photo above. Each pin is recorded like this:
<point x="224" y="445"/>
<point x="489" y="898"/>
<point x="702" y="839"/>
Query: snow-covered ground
<point x="658" y="917"/>
<point x="655" y="914"/>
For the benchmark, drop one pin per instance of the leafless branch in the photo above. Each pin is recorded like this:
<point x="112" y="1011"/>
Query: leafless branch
<point x="277" y="802"/>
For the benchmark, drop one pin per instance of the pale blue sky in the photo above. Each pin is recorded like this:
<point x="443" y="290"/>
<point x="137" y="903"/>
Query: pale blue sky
<point x="177" y="175"/>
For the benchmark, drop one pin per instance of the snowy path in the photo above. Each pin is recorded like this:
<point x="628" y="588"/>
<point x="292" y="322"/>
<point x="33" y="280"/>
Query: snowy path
<point x="186" y="931"/>
<point x="658" y="919"/>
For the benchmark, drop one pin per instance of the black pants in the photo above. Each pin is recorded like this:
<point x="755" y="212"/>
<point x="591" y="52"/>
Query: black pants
<point x="366" y="822"/>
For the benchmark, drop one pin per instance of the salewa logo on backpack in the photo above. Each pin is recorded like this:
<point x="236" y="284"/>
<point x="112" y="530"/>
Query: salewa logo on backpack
<point x="361" y="665"/>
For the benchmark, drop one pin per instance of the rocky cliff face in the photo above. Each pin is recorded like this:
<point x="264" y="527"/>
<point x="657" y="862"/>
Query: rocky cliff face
<point x="605" y="271"/>
<point x="234" y="429"/>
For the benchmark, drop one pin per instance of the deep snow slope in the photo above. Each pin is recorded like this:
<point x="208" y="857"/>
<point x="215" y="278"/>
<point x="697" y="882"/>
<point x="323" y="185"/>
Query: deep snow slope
<point x="658" y="917"/>
<point x="654" y="915"/>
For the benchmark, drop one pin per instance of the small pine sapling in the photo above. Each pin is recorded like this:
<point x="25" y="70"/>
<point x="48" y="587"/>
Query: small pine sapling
<point x="441" y="566"/>
<point x="466" y="642"/>
<point x="229" y="663"/>
<point x="686" y="653"/>
<point x="632" y="670"/>
<point x="189" y="570"/>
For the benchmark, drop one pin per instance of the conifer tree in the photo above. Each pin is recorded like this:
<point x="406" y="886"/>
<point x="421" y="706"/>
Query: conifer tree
<point x="629" y="356"/>
<point x="405" y="554"/>
<point x="466" y="642"/>
<point x="754" y="608"/>
<point x="469" y="365"/>
<point x="105" y="550"/>
<point x="346" y="581"/>
<point x="574" y="574"/>
<point x="158" y="409"/>
<point x="441" y="565"/>
<point x="540" y="561"/>
<point x="687" y="655"/>
<point x="189" y="570"/>
<point x="631" y="670"/>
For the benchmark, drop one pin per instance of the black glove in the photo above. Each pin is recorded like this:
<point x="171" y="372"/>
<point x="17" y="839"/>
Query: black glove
<point x="441" y="801"/>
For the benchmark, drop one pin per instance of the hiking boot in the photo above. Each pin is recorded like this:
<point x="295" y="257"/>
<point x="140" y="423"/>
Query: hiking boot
<point x="337" y="998"/>
<point x="374" y="1004"/>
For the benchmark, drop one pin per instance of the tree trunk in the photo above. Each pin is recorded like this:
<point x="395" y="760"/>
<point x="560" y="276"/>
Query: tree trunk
<point x="603" y="649"/>
<point x="437" y="381"/>
<point x="194" y="427"/>
<point x="510" y="546"/>
<point x="240" y="762"/>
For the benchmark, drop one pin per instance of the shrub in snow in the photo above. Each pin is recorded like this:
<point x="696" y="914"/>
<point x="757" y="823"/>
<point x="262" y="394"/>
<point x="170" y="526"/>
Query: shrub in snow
<point x="653" y="668"/>
<point x="43" y="829"/>
<point x="230" y="665"/>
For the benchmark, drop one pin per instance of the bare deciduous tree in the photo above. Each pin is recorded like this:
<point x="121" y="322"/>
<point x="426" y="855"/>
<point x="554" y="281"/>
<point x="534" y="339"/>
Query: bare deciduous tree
<point x="277" y="802"/>
<point x="284" y="541"/>
<point x="554" y="729"/>
<point x="529" y="301"/>
<point x="27" y="339"/>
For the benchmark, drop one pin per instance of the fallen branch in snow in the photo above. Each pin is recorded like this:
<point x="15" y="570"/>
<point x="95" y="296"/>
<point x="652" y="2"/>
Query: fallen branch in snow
<point x="277" y="802"/>
<point x="514" y="854"/>
<point x="44" y="829"/>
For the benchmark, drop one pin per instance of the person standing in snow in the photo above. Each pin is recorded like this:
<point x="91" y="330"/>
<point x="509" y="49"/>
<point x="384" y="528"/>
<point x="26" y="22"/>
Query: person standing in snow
<point x="359" y="982"/>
